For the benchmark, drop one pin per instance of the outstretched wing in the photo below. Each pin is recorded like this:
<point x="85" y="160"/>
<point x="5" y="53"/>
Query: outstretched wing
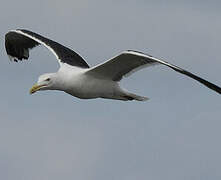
<point x="130" y="61"/>
<point x="18" y="42"/>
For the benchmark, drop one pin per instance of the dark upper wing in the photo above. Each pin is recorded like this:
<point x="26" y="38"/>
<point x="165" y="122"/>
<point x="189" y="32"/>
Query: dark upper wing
<point x="18" y="43"/>
<point x="130" y="61"/>
<point x="122" y="65"/>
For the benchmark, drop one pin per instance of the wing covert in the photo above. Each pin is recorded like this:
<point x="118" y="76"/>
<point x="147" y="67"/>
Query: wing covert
<point x="122" y="65"/>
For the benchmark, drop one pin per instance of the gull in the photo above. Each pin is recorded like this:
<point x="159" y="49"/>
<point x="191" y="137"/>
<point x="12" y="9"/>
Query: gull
<point x="76" y="78"/>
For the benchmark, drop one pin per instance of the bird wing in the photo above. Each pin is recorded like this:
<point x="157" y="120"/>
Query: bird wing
<point x="18" y="42"/>
<point x="130" y="61"/>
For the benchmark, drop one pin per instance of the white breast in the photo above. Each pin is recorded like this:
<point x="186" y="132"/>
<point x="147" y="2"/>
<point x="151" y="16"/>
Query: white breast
<point x="81" y="85"/>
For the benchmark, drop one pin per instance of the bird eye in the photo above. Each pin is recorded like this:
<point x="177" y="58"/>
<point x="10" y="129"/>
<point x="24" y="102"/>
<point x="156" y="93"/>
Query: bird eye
<point x="48" y="79"/>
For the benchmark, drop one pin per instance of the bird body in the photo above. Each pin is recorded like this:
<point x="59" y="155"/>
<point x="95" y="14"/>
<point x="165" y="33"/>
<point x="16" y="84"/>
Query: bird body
<point x="76" y="78"/>
<point x="76" y="82"/>
<point x="79" y="84"/>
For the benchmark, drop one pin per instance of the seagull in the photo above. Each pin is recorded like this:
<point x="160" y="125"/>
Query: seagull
<point x="76" y="78"/>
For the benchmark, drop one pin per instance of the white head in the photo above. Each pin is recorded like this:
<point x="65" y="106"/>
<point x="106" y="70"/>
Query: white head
<point x="45" y="82"/>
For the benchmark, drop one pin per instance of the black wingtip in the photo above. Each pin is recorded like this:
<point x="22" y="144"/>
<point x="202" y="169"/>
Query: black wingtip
<point x="199" y="79"/>
<point x="17" y="46"/>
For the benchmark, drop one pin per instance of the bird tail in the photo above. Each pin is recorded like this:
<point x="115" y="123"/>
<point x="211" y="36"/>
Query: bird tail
<point x="131" y="96"/>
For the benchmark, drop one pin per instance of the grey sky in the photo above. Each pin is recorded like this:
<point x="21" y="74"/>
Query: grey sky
<point x="174" y="135"/>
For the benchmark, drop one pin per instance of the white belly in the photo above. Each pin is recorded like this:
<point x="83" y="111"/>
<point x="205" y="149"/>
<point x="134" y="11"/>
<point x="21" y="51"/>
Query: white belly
<point x="87" y="87"/>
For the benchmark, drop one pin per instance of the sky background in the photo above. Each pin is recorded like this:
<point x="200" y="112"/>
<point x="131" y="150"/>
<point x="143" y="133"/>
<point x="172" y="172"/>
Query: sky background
<point x="174" y="135"/>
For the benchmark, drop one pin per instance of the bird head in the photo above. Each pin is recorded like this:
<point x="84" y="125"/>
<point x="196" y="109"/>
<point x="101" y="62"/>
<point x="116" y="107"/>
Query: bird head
<point x="45" y="82"/>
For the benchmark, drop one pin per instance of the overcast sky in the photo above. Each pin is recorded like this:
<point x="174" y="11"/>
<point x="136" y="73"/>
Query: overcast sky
<point x="175" y="135"/>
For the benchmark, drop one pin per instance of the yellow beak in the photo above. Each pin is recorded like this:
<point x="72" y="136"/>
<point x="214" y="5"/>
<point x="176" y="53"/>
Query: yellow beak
<point x="35" y="88"/>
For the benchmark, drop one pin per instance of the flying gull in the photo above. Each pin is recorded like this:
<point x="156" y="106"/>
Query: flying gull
<point x="75" y="77"/>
